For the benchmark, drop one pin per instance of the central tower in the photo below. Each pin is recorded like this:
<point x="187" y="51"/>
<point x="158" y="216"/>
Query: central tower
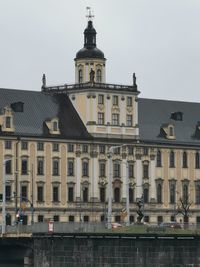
<point x="90" y="61"/>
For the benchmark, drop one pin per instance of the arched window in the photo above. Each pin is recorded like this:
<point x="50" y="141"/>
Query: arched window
<point x="117" y="194"/>
<point x="146" y="195"/>
<point x="131" y="195"/>
<point x="171" y="159"/>
<point x="159" y="159"/>
<point x="99" y="76"/>
<point x="80" y="76"/>
<point x="172" y="194"/>
<point x="198" y="194"/>
<point x="159" y="193"/>
<point x="185" y="194"/>
<point x="197" y="161"/>
<point x="184" y="159"/>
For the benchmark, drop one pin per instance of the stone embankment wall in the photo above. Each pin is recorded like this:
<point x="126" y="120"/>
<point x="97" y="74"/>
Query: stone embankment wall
<point x="113" y="252"/>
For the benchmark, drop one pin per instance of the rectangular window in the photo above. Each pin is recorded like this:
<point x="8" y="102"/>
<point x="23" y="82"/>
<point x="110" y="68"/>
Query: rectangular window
<point x="70" y="194"/>
<point x="24" y="166"/>
<point x="102" y="169"/>
<point x="85" y="194"/>
<point x="115" y="119"/>
<point x="102" y="194"/>
<point x="131" y="170"/>
<point x="55" y="147"/>
<point x="55" y="167"/>
<point x="70" y="148"/>
<point x="116" y="170"/>
<point x="56" y="218"/>
<point x="8" y="192"/>
<point x="115" y="100"/>
<point x="85" y="148"/>
<point x="55" y="194"/>
<point x="86" y="218"/>
<point x="130" y="150"/>
<point x="102" y="149"/>
<point x="100" y="118"/>
<point x="145" y="151"/>
<point x="117" y="150"/>
<point x="85" y="168"/>
<point x="24" y="192"/>
<point x="101" y="99"/>
<point x="40" y="146"/>
<point x="8" y="144"/>
<point x="40" y="218"/>
<point x="146" y="171"/>
<point x="8" y="122"/>
<point x="129" y="101"/>
<point x="8" y="166"/>
<point x="24" y="145"/>
<point x="40" y="166"/>
<point x="71" y="218"/>
<point x="70" y="168"/>
<point x="40" y="193"/>
<point x="129" y="120"/>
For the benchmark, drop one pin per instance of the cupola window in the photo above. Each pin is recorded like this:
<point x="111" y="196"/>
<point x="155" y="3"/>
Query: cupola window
<point x="80" y="76"/>
<point x="99" y="76"/>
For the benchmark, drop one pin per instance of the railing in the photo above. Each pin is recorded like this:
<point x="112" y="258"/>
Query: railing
<point x="58" y="227"/>
<point x="88" y="85"/>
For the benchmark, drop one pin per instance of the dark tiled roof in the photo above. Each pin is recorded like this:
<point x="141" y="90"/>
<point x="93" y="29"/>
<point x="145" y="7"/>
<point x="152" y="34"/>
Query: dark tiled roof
<point x="154" y="113"/>
<point x="38" y="108"/>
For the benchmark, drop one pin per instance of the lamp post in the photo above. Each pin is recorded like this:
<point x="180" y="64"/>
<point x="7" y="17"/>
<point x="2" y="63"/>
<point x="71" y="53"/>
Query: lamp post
<point x="110" y="177"/>
<point x="127" y="195"/>
<point x="3" y="229"/>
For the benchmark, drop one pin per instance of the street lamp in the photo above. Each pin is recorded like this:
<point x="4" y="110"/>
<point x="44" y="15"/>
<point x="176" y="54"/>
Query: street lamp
<point x="110" y="176"/>
<point x="3" y="229"/>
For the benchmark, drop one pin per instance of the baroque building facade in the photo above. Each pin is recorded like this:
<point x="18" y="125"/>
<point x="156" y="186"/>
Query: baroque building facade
<point x="55" y="146"/>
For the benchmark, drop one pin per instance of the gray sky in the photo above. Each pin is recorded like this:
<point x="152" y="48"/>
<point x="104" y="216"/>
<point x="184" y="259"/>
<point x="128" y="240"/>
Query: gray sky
<point x="157" y="39"/>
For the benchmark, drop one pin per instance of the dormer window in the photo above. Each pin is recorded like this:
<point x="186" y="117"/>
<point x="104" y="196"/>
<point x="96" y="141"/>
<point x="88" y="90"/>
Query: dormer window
<point x="177" y="116"/>
<point x="167" y="131"/>
<point x="8" y="122"/>
<point x="55" y="126"/>
<point x="171" y="131"/>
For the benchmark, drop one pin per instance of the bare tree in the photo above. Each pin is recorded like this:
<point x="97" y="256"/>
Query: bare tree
<point x="184" y="209"/>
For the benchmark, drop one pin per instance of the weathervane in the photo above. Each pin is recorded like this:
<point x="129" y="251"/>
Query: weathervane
<point x="89" y="13"/>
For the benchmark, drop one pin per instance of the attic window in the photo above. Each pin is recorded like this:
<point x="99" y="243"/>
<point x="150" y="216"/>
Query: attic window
<point x="171" y="131"/>
<point x="177" y="116"/>
<point x="55" y="126"/>
<point x="17" y="106"/>
<point x="8" y="122"/>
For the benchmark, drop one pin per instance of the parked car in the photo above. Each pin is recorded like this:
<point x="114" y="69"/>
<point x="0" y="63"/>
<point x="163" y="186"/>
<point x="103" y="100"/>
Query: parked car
<point x="116" y="225"/>
<point x="173" y="225"/>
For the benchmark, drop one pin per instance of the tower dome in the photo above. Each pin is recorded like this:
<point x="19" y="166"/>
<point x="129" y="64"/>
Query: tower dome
<point x="90" y="50"/>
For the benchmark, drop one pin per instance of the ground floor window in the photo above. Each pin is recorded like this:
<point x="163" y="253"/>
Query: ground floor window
<point x="160" y="219"/>
<point x="71" y="218"/>
<point x="40" y="218"/>
<point x="56" y="218"/>
<point x="117" y="218"/>
<point x="86" y="218"/>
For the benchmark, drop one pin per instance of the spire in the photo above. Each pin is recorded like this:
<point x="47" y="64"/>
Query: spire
<point x="90" y="32"/>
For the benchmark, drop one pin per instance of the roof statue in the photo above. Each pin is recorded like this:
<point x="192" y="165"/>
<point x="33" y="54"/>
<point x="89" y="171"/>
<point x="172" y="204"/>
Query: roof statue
<point x="134" y="80"/>
<point x="92" y="75"/>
